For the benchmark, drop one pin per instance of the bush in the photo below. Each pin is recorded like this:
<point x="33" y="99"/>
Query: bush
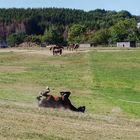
<point x="16" y="39"/>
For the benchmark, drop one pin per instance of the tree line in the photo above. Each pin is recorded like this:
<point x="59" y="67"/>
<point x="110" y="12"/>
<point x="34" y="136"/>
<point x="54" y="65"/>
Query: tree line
<point x="63" y="26"/>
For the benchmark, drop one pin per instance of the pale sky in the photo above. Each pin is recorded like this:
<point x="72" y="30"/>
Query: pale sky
<point x="133" y="6"/>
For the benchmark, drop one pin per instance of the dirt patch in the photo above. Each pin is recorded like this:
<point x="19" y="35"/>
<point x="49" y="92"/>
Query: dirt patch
<point x="40" y="51"/>
<point x="116" y="110"/>
<point x="27" y="45"/>
<point x="12" y="69"/>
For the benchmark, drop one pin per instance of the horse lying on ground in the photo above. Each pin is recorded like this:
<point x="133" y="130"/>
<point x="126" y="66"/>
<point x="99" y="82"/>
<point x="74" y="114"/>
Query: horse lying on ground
<point x="57" y="49"/>
<point x="49" y="101"/>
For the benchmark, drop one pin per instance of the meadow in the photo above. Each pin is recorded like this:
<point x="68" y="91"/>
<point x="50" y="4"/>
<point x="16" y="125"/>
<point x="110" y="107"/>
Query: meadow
<point x="106" y="81"/>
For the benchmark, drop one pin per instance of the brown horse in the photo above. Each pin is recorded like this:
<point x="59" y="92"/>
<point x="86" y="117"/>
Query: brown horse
<point x="49" y="101"/>
<point x="57" y="49"/>
<point x="72" y="47"/>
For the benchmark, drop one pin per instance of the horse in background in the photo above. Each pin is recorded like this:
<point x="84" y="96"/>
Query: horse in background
<point x="72" y="47"/>
<point x="57" y="49"/>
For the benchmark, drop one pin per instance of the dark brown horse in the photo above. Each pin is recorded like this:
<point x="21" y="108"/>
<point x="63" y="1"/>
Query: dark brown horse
<point x="57" y="49"/>
<point x="49" y="101"/>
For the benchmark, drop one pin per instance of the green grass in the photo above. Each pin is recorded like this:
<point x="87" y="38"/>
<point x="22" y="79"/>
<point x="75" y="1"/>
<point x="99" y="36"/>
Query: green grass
<point x="106" y="82"/>
<point x="116" y="77"/>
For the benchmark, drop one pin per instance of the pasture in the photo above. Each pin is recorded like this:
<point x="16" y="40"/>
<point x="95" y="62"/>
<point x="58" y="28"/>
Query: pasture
<point x="106" y="81"/>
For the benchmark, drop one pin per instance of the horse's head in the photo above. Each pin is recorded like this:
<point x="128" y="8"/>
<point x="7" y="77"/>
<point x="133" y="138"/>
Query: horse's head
<point x="45" y="93"/>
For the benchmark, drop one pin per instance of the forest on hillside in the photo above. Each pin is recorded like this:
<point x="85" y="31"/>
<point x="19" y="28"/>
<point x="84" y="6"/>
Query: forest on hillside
<point x="63" y="26"/>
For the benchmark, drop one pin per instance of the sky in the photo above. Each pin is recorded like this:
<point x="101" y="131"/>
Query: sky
<point x="130" y="5"/>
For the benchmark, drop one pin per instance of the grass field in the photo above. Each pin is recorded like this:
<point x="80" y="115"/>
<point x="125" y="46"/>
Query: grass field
<point x="106" y="81"/>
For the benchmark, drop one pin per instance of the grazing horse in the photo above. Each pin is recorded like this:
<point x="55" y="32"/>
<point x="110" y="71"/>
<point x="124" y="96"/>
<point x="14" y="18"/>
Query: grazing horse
<point x="72" y="47"/>
<point x="57" y="49"/>
<point x="49" y="101"/>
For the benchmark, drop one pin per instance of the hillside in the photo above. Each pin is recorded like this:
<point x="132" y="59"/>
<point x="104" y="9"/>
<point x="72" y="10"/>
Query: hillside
<point x="37" y="21"/>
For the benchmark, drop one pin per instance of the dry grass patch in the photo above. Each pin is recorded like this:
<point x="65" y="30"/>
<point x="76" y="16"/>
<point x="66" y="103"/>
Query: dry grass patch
<point x="27" y="122"/>
<point x="12" y="69"/>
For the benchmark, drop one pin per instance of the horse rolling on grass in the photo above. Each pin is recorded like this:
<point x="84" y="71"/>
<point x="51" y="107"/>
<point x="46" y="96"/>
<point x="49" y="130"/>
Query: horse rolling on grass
<point x="57" y="49"/>
<point x="72" y="47"/>
<point x="50" y="101"/>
